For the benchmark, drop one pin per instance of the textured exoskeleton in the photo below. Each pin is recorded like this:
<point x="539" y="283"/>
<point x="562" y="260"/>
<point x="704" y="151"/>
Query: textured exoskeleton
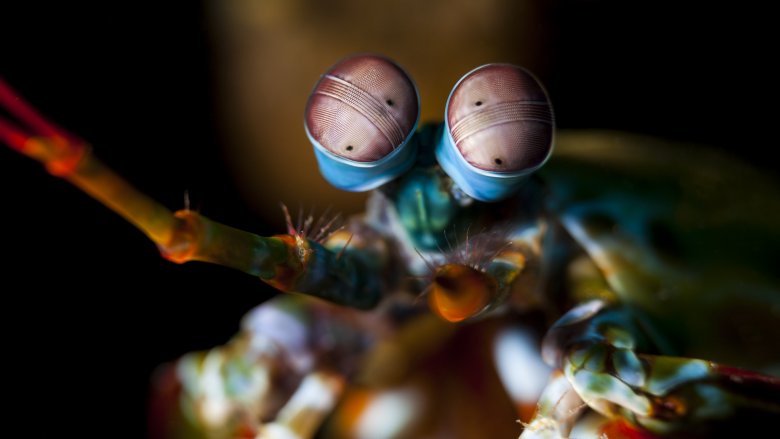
<point x="645" y="264"/>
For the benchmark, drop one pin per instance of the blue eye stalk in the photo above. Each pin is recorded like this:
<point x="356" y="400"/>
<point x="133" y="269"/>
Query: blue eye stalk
<point x="482" y="185"/>
<point x="355" y="176"/>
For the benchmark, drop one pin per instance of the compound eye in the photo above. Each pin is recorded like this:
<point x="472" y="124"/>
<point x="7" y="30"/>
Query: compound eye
<point x="363" y="108"/>
<point x="500" y="119"/>
<point x="360" y="118"/>
<point x="498" y="130"/>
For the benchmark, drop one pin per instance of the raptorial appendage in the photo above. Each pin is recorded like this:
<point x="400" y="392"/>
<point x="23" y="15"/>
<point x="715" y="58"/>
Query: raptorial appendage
<point x="612" y="363"/>
<point x="280" y="376"/>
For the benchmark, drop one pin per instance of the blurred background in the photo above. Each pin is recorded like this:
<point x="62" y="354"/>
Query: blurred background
<point x="207" y="97"/>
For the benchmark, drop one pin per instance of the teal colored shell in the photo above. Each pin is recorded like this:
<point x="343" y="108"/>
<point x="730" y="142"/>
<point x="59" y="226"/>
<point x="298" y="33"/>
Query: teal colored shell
<point x="689" y="235"/>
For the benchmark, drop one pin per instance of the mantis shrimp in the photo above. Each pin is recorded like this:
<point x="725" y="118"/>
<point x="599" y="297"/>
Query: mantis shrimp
<point x="598" y="288"/>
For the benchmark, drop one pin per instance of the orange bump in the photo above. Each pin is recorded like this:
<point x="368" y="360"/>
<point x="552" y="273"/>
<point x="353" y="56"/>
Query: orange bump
<point x="459" y="292"/>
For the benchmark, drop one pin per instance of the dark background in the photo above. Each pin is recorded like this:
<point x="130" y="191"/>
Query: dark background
<point x="90" y="309"/>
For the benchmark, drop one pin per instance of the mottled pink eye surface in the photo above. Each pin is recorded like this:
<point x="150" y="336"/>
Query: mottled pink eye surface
<point x="501" y="119"/>
<point x="363" y="108"/>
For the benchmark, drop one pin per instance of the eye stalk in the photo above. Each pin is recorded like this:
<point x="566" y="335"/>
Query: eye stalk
<point x="498" y="130"/>
<point x="360" y="118"/>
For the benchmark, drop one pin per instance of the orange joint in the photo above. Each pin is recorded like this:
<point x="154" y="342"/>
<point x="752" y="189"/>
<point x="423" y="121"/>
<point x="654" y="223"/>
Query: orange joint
<point x="67" y="160"/>
<point x="58" y="150"/>
<point x="184" y="240"/>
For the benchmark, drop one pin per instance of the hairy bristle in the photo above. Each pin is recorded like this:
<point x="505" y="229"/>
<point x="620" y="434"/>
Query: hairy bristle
<point x="316" y="228"/>
<point x="477" y="251"/>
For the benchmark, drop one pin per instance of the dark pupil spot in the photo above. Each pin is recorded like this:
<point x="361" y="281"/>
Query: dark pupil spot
<point x="350" y="148"/>
<point x="498" y="161"/>
<point x="478" y="103"/>
<point x="389" y="102"/>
